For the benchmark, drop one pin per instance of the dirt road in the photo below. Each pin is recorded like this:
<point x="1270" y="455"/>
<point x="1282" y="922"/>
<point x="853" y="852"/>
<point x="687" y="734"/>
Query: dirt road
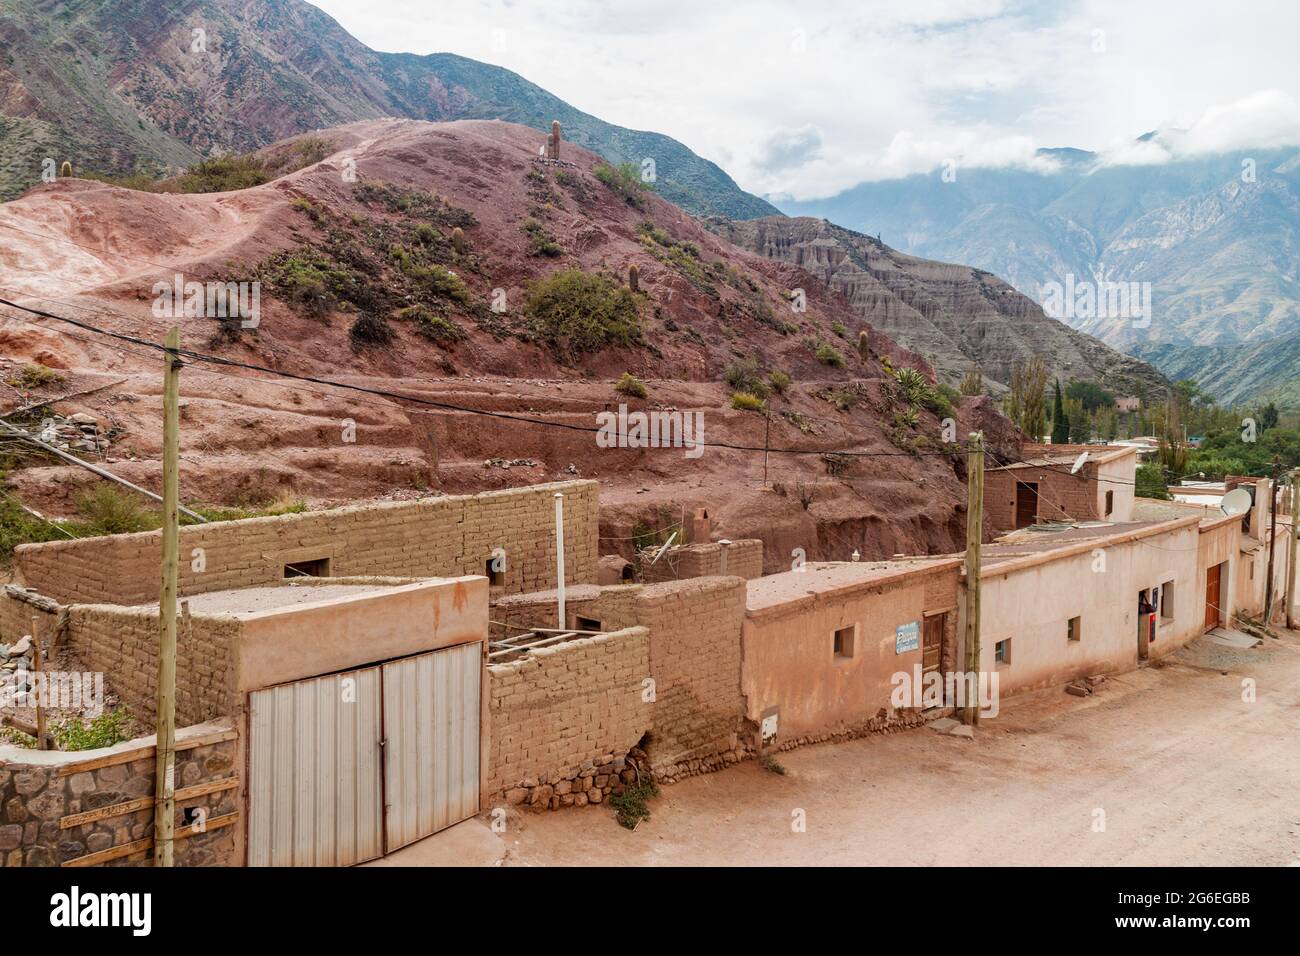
<point x="1167" y="765"/>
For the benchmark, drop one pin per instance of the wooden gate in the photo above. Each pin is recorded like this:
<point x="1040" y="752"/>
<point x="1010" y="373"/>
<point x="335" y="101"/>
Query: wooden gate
<point x="1213" y="596"/>
<point x="346" y="768"/>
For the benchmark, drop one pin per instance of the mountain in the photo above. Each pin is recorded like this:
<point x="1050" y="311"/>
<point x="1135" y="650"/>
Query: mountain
<point x="1217" y="239"/>
<point x="1248" y="374"/>
<point x="458" y="270"/>
<point x="120" y="85"/>
<point x="959" y="318"/>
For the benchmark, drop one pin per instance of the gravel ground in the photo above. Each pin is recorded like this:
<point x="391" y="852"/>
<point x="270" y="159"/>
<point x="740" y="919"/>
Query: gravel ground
<point x="1178" y="767"/>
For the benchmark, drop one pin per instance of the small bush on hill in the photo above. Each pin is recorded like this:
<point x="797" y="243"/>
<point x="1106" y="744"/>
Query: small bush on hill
<point x="828" y="355"/>
<point x="746" y="376"/>
<point x="746" y="402"/>
<point x="624" y="180"/>
<point x="630" y="385"/>
<point x="574" y="313"/>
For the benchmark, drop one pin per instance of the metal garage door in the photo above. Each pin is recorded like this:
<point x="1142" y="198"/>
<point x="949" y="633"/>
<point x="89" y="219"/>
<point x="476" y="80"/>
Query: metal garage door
<point x="431" y="754"/>
<point x="322" y="763"/>
<point x="314" y="766"/>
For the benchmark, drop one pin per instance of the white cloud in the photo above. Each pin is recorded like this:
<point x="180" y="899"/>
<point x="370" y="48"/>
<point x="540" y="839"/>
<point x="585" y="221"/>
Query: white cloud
<point x="807" y="99"/>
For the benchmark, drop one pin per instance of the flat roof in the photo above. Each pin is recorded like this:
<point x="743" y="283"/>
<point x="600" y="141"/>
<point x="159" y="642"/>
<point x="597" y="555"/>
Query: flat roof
<point x="818" y="579"/>
<point x="1152" y="509"/>
<point x="1041" y="456"/>
<point x="270" y="597"/>
<point x="1033" y="547"/>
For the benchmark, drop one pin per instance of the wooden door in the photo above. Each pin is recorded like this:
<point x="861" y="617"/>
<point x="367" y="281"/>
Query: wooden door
<point x="1213" y="599"/>
<point x="1026" y="503"/>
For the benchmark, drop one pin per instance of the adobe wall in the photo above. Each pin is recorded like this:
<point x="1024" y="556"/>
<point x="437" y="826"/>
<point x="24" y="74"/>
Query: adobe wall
<point x="695" y="633"/>
<point x="562" y="719"/>
<point x="1061" y="496"/>
<point x="431" y="537"/>
<point x="18" y="607"/>
<point x="790" y="665"/>
<point x="123" y="644"/>
<point x="104" y="799"/>
<point x="744" y="560"/>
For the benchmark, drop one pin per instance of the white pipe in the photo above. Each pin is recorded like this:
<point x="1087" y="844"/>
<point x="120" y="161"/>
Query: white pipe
<point x="559" y="554"/>
<point x="722" y="558"/>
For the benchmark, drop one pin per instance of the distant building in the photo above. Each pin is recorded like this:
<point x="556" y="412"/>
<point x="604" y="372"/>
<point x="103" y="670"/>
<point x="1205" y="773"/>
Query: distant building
<point x="1129" y="404"/>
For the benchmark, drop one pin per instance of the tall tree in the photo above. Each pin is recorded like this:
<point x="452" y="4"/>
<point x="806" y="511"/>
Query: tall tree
<point x="1060" y="421"/>
<point x="1026" y="402"/>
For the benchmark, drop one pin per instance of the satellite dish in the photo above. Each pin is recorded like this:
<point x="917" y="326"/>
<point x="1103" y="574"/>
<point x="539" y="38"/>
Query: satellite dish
<point x="1236" y="502"/>
<point x="1078" y="463"/>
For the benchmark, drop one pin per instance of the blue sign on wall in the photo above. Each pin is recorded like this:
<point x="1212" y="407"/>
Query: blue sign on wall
<point x="907" y="637"/>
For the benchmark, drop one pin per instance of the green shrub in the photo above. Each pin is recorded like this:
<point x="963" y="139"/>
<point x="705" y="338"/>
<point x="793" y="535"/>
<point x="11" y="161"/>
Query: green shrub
<point x="1150" y="482"/>
<point x="829" y="355"/>
<point x="574" y="312"/>
<point x="34" y="375"/>
<point x="630" y="385"/>
<point x="109" y="728"/>
<point x="746" y="376"/>
<point x="368" y="330"/>
<point x="440" y="281"/>
<point x="108" y="509"/>
<point x="780" y="381"/>
<point x="746" y="402"/>
<point x="426" y="235"/>
<point x="435" y="327"/>
<point x="540" y="242"/>
<point x="630" y="806"/>
<point x="624" y="180"/>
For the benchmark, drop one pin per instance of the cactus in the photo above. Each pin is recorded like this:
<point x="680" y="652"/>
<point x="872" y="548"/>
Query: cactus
<point x="458" y="241"/>
<point x="553" y="150"/>
<point x="864" y="345"/>
<point x="65" y="169"/>
<point x="634" y="277"/>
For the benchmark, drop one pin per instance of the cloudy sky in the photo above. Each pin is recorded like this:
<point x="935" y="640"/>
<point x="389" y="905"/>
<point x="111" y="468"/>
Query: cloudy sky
<point x="806" y="98"/>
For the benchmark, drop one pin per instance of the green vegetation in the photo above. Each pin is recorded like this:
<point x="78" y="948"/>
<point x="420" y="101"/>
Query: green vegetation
<point x="369" y="330"/>
<point x="746" y="402"/>
<point x="109" y="509"/>
<point x="1026" y="403"/>
<point x="540" y="241"/>
<point x="109" y="728"/>
<point x="415" y="203"/>
<point x="1150" y="482"/>
<point x="827" y="354"/>
<point x="746" y="376"/>
<point x="630" y="806"/>
<point x="770" y="764"/>
<point x="574" y="312"/>
<point x="623" y="180"/>
<point x="631" y="386"/>
<point x="780" y="381"/>
<point x="225" y="173"/>
<point x="34" y="375"/>
<point x="972" y="383"/>
<point x="435" y="327"/>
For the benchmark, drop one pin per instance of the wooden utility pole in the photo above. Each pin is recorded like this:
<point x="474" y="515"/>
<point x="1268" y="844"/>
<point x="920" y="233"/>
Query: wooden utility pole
<point x="165" y="770"/>
<point x="1272" y="538"/>
<point x="38" y="661"/>
<point x="974" y="538"/>
<point x="1291" y="555"/>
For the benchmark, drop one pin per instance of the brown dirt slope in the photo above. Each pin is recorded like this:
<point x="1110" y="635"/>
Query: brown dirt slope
<point x="362" y="281"/>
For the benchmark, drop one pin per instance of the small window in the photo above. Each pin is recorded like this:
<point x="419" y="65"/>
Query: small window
<point x="1110" y="503"/>
<point x="844" y="643"/>
<point x="495" y="578"/>
<point x="318" y="568"/>
<point x="1073" y="629"/>
<point x="1167" y="600"/>
<point x="1002" y="652"/>
<point x="586" y="624"/>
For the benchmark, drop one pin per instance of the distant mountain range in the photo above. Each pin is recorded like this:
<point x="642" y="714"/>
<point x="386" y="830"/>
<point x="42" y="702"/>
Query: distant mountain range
<point x="1217" y="239"/>
<point x="117" y="85"/>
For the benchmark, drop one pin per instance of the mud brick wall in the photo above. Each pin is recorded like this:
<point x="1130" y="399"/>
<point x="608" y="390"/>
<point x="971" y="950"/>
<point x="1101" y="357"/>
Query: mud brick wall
<point x="562" y="718"/>
<point x="431" y="537"/>
<point x="37" y="791"/>
<point x="695" y="646"/>
<point x="18" y="607"/>
<point x="123" y="643"/>
<point x="1061" y="496"/>
<point x="744" y="560"/>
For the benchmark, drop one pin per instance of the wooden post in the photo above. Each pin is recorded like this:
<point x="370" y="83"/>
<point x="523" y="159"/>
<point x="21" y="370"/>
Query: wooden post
<point x="1272" y="538"/>
<point x="165" y="769"/>
<point x="1291" y="550"/>
<point x="767" y="426"/>
<point x="38" y="661"/>
<point x="974" y="538"/>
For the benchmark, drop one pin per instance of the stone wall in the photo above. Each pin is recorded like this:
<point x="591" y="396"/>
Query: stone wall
<point x="744" y="560"/>
<point x="95" y="807"/>
<point x="431" y="537"/>
<point x="123" y="643"/>
<point x="562" y="719"/>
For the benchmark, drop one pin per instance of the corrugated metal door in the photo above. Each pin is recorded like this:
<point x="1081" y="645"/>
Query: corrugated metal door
<point x="431" y="754"/>
<point x="314" y="772"/>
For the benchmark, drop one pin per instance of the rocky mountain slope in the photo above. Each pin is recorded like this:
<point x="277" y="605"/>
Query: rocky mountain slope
<point x="445" y="262"/>
<point x="1248" y="374"/>
<point x="116" y="85"/>
<point x="1216" y="237"/>
<point x="959" y="318"/>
